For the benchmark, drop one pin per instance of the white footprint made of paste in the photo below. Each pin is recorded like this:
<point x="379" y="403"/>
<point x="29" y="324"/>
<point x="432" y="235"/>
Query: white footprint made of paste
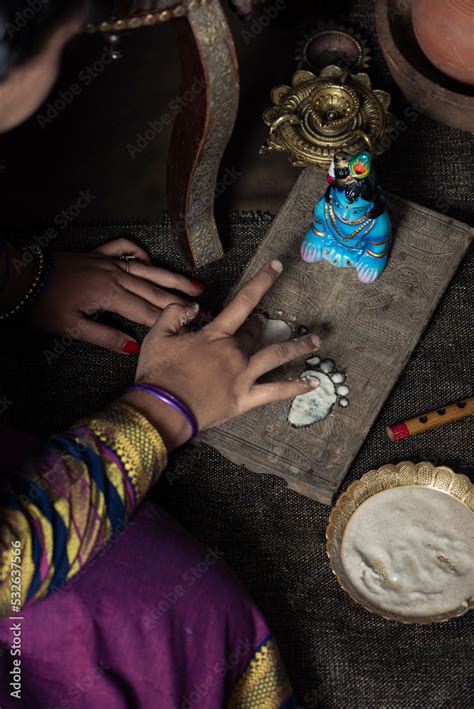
<point x="317" y="404"/>
<point x="273" y="332"/>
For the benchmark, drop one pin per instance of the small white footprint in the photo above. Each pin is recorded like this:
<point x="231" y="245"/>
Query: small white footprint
<point x="316" y="405"/>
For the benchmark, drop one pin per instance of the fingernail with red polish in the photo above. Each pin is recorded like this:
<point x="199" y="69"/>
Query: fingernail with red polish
<point x="198" y="284"/>
<point x="131" y="347"/>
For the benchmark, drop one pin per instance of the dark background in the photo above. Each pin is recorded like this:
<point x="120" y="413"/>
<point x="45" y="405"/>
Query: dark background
<point x="337" y="654"/>
<point x="46" y="164"/>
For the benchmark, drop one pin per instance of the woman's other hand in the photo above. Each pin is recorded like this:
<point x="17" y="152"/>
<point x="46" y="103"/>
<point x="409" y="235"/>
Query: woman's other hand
<point x="83" y="284"/>
<point x="214" y="371"/>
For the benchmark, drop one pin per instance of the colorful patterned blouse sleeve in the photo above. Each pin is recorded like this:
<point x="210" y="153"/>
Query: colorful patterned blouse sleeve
<point x="64" y="507"/>
<point x="264" y="683"/>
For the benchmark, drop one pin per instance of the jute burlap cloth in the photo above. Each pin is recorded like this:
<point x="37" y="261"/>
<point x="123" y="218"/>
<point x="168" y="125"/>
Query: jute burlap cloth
<point x="337" y="654"/>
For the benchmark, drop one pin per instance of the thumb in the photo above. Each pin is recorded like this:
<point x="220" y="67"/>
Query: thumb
<point x="105" y="336"/>
<point x="173" y="318"/>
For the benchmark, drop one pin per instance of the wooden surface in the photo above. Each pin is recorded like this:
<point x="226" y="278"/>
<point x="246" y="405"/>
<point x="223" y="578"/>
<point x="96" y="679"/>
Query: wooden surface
<point x="369" y="331"/>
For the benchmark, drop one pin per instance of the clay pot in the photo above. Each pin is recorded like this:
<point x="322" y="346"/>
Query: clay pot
<point x="445" y="32"/>
<point x="430" y="91"/>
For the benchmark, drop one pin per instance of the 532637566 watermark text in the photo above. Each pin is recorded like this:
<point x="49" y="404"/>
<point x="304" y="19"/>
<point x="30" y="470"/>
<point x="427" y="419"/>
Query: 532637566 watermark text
<point x="16" y="618"/>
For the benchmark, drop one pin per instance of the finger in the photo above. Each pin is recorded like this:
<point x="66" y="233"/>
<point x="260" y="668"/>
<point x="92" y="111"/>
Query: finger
<point x="134" y="308"/>
<point x="107" y="337"/>
<point x="174" y="317"/>
<point x="275" y="355"/>
<point x="249" y="296"/>
<point x="149" y="292"/>
<point x="262" y="394"/>
<point x="248" y="336"/>
<point x="124" y="247"/>
<point x="162" y="277"/>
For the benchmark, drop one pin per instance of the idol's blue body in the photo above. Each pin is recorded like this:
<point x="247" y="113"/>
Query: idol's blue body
<point x="345" y="233"/>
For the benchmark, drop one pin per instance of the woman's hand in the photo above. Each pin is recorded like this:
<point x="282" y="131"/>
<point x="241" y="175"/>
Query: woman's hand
<point x="214" y="371"/>
<point x="84" y="284"/>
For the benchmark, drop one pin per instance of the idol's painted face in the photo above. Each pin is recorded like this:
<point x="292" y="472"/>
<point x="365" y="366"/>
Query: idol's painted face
<point x="349" y="211"/>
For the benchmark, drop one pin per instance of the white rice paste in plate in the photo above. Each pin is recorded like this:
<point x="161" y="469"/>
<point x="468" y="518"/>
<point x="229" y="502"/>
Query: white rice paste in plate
<point x="410" y="551"/>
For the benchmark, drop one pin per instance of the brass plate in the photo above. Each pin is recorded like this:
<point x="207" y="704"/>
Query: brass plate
<point x="389" y="476"/>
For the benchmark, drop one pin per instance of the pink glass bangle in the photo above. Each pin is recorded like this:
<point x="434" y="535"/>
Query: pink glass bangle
<point x="171" y="400"/>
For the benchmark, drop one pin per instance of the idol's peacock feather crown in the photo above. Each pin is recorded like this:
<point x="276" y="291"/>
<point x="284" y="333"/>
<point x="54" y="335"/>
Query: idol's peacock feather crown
<point x="354" y="176"/>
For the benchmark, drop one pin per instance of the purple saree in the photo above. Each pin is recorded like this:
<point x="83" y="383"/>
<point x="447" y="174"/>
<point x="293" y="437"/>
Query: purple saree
<point x="153" y="620"/>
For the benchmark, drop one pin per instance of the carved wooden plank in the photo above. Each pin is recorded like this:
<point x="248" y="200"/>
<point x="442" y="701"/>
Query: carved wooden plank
<point x="209" y="96"/>
<point x="369" y="331"/>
